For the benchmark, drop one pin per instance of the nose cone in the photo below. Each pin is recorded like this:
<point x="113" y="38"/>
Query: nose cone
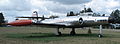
<point x="20" y="22"/>
<point x="111" y="20"/>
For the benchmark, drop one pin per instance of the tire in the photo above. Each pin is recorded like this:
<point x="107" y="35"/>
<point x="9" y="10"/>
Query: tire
<point x="99" y="35"/>
<point x="72" y="33"/>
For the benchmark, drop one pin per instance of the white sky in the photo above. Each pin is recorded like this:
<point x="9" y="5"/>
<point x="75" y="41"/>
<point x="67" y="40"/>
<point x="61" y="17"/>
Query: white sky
<point x="13" y="8"/>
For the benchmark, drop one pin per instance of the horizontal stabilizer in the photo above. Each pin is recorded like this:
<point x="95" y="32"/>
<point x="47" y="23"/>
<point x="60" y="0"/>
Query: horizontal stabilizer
<point x="34" y="17"/>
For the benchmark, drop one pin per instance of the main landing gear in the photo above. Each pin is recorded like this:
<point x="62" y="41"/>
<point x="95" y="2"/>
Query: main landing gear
<point x="100" y="31"/>
<point x="72" y="32"/>
<point x="57" y="32"/>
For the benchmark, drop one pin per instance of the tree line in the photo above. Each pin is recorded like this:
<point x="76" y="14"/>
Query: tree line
<point x="116" y="16"/>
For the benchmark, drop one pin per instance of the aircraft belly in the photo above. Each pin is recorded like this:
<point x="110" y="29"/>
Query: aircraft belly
<point x="94" y="23"/>
<point x="87" y="24"/>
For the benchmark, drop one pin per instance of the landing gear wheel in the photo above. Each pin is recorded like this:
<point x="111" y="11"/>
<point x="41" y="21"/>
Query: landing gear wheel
<point x="99" y="35"/>
<point x="59" y="33"/>
<point x="72" y="33"/>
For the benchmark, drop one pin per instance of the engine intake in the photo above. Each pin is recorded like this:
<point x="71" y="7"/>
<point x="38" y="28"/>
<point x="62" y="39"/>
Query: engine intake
<point x="111" y="20"/>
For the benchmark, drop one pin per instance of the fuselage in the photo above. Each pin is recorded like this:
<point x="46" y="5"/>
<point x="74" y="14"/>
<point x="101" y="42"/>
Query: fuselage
<point x="70" y="22"/>
<point x="73" y="21"/>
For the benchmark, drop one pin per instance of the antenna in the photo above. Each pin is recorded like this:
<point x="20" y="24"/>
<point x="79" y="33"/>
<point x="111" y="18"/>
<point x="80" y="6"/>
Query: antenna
<point x="85" y="8"/>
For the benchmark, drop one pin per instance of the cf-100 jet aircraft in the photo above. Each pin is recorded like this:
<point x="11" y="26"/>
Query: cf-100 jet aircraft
<point x="65" y="22"/>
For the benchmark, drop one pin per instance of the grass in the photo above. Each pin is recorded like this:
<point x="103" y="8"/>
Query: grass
<point x="46" y="36"/>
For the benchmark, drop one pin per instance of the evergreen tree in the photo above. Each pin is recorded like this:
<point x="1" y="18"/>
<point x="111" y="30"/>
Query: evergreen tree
<point x="116" y="15"/>
<point x="82" y="11"/>
<point x="68" y="14"/>
<point x="71" y="13"/>
<point x="103" y="15"/>
<point x="89" y="10"/>
<point x="1" y="19"/>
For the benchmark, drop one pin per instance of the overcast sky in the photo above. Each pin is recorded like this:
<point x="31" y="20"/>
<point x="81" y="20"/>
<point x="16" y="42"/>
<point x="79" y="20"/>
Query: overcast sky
<point x="13" y="8"/>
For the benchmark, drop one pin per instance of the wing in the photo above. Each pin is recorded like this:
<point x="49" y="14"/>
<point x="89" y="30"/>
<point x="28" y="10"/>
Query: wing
<point x="34" y="17"/>
<point x="65" y="24"/>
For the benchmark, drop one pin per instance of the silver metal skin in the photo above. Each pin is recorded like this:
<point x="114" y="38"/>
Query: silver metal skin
<point x="74" y="21"/>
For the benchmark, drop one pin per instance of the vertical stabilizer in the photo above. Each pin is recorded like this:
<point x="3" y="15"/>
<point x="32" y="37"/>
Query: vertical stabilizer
<point x="35" y="14"/>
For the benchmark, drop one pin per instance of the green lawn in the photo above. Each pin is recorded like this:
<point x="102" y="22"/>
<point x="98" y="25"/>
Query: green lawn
<point x="40" y="35"/>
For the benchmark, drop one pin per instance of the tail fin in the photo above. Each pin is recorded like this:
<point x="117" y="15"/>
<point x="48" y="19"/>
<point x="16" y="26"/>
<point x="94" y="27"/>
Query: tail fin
<point x="35" y="14"/>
